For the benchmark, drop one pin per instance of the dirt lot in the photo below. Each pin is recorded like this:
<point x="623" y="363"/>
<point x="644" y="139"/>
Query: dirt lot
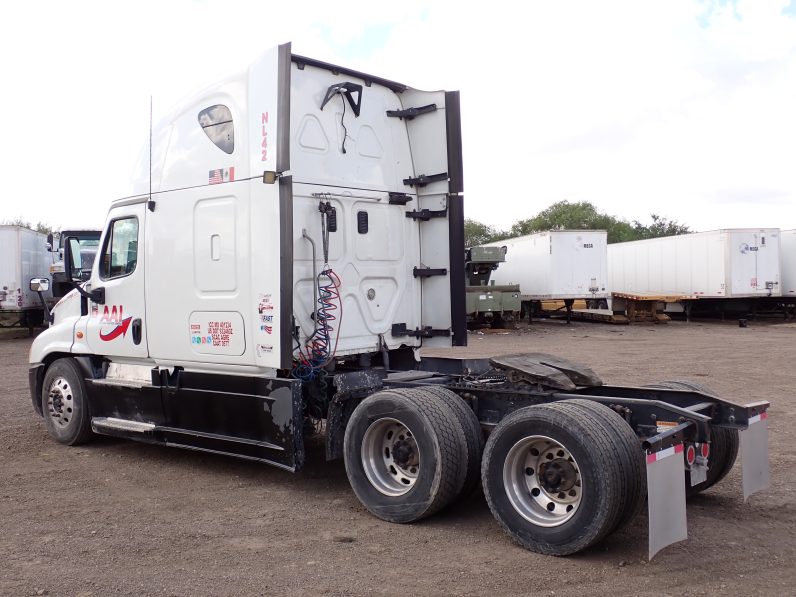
<point x="116" y="517"/>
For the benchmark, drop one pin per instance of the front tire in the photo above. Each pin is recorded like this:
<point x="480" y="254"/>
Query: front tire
<point x="552" y="478"/>
<point x="64" y="404"/>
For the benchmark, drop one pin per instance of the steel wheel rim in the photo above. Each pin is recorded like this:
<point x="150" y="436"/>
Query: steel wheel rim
<point x="542" y="481"/>
<point x="390" y="457"/>
<point x="60" y="402"/>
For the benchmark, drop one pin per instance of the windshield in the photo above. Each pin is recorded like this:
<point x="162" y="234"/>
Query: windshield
<point x="86" y="244"/>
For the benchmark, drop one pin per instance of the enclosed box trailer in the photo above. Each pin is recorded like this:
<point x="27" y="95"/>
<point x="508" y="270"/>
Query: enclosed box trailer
<point x="23" y="255"/>
<point x="788" y="260"/>
<point x="558" y="264"/>
<point x="562" y="265"/>
<point x="731" y="263"/>
<point x="301" y="241"/>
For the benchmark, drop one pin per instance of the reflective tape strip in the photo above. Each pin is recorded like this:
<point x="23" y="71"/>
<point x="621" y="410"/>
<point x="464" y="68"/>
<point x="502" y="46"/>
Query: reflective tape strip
<point x="664" y="453"/>
<point x="761" y="417"/>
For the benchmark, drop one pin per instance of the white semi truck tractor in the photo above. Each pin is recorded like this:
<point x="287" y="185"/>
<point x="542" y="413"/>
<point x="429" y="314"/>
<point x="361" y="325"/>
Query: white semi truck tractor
<point x="295" y="241"/>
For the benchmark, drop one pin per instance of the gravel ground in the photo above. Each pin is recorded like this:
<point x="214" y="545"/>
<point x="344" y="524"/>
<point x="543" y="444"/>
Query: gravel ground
<point x="117" y="517"/>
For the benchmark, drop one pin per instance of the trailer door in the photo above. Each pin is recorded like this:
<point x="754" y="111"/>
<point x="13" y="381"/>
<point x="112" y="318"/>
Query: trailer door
<point x="754" y="263"/>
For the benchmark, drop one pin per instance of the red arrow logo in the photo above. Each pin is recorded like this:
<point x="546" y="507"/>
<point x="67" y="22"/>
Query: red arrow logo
<point x="119" y="330"/>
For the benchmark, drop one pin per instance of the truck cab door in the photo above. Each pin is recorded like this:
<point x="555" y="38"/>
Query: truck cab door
<point x="117" y="327"/>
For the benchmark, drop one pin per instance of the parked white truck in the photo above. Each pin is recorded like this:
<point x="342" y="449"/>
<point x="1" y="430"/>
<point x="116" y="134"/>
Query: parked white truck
<point x="302" y="240"/>
<point x="23" y="255"/>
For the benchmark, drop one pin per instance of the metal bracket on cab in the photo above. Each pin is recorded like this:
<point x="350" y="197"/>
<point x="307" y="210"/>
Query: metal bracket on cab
<point x="410" y="113"/>
<point x="400" y="329"/>
<point x="423" y="179"/>
<point x="427" y="272"/>
<point x="399" y="198"/>
<point x="426" y="214"/>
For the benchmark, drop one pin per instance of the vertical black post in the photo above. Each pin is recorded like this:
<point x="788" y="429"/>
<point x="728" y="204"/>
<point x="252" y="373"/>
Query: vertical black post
<point x="285" y="209"/>
<point x="453" y="125"/>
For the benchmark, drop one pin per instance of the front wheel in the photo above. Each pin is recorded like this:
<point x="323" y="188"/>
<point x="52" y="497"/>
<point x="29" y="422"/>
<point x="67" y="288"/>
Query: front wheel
<point x="553" y="478"/>
<point x="64" y="404"/>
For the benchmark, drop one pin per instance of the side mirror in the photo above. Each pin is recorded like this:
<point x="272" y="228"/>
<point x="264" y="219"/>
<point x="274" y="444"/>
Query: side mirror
<point x="50" y="241"/>
<point x="39" y="284"/>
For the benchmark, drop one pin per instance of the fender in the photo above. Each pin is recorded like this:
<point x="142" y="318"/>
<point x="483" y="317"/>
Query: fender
<point x="87" y="363"/>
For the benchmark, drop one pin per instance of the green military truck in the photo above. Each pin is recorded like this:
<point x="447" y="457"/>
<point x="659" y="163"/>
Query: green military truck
<point x="489" y="305"/>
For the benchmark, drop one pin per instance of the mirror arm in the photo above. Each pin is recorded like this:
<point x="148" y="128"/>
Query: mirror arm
<point x="47" y="313"/>
<point x="97" y="295"/>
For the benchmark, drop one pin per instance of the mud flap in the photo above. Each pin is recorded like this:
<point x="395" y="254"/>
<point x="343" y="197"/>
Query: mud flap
<point x="754" y="455"/>
<point x="666" y="498"/>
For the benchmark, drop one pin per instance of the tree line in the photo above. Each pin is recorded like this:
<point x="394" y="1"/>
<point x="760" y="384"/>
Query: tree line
<point x="580" y="215"/>
<point x="38" y="227"/>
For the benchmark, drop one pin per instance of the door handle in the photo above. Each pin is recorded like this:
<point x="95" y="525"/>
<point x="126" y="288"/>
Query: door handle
<point x="136" y="331"/>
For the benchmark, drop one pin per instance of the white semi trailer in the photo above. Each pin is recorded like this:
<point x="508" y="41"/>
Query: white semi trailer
<point x="557" y="265"/>
<point x="301" y="242"/>
<point x="23" y="255"/>
<point x="731" y="263"/>
<point x="788" y="249"/>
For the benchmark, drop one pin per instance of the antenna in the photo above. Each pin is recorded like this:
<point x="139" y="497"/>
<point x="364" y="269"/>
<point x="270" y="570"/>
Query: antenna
<point x="150" y="203"/>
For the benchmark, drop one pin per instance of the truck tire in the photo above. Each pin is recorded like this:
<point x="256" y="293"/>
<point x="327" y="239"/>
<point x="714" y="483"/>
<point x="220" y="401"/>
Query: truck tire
<point x="631" y="458"/>
<point x="473" y="435"/>
<point x="64" y="405"/>
<point x="724" y="442"/>
<point x="552" y="478"/>
<point x="405" y="454"/>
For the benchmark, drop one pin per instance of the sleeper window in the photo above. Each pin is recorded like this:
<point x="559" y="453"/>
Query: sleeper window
<point x="216" y="121"/>
<point x="121" y="249"/>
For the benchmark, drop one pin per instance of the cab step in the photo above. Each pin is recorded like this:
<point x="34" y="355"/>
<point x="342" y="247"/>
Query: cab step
<point x="100" y="424"/>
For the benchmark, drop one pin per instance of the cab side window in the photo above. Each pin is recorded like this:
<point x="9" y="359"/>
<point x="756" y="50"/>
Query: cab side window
<point x="120" y="254"/>
<point x="216" y="121"/>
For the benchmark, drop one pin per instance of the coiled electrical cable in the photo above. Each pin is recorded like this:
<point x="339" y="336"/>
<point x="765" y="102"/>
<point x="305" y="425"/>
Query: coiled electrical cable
<point x="318" y="349"/>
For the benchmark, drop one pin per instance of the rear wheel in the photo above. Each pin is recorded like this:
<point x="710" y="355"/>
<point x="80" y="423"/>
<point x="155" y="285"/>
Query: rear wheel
<point x="472" y="435"/>
<point x="405" y="454"/>
<point x="552" y="478"/>
<point x="64" y="404"/>
<point x="631" y="458"/>
<point x="724" y="443"/>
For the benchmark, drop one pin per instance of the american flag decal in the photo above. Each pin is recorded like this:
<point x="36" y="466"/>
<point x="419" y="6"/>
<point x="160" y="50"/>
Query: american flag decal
<point x="221" y="175"/>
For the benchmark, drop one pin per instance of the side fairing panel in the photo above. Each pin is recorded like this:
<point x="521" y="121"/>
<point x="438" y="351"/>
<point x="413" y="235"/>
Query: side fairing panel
<point x="435" y="140"/>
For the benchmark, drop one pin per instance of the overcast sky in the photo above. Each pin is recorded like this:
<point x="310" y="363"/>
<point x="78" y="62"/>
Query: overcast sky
<point x="681" y="108"/>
